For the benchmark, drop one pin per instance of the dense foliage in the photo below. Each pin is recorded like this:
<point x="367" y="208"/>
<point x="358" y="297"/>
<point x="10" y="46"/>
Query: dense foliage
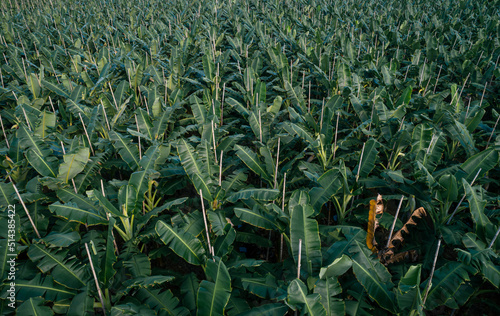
<point x="225" y="157"/>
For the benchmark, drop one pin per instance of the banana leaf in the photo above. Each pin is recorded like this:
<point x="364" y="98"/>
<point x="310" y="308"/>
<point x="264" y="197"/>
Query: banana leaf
<point x="66" y="271"/>
<point x="34" y="307"/>
<point x="182" y="243"/>
<point x="305" y="228"/>
<point x="446" y="283"/>
<point x="73" y="213"/>
<point x="128" y="151"/>
<point x="327" y="289"/>
<point x="373" y="276"/>
<point x="251" y="160"/>
<point x="299" y="298"/>
<point x="214" y="293"/>
<point x="73" y="164"/>
<point x="161" y="301"/>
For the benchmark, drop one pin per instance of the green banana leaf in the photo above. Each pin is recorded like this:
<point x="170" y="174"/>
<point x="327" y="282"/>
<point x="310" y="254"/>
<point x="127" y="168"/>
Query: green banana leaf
<point x="256" y="194"/>
<point x="73" y="213"/>
<point x="106" y="204"/>
<point x="408" y="293"/>
<point x="138" y="265"/>
<point x="214" y="293"/>
<point x="482" y="257"/>
<point x="330" y="184"/>
<point x="29" y="140"/>
<point x="68" y="195"/>
<point x="274" y="309"/>
<point x="6" y="194"/>
<point x="66" y="271"/>
<point x="144" y="123"/>
<point x="182" y="243"/>
<point x="373" y="276"/>
<point x="47" y="120"/>
<point x="251" y="160"/>
<point x="73" y="164"/>
<point x="200" y="113"/>
<point x="46" y="166"/>
<point x="370" y="155"/>
<point x="338" y="267"/>
<point x="483" y="226"/>
<point x="61" y="239"/>
<point x="446" y="283"/>
<point x="34" y="307"/>
<point x="199" y="174"/>
<point x="255" y="217"/>
<point x="109" y="257"/>
<point x="486" y="160"/>
<point x="305" y="228"/>
<point x="43" y="286"/>
<point x="299" y="298"/>
<point x="82" y="304"/>
<point x="327" y="289"/>
<point x="128" y="151"/>
<point x="161" y="301"/>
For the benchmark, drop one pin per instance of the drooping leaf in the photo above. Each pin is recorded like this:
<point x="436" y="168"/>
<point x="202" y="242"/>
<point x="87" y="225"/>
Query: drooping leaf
<point x="373" y="276"/>
<point x="264" y="287"/>
<point x="34" y="307"/>
<point x="330" y="184"/>
<point x="46" y="166"/>
<point x="486" y="160"/>
<point x="43" y="286"/>
<point x="197" y="173"/>
<point x="62" y="239"/>
<point x="408" y="293"/>
<point x="256" y="194"/>
<point x="128" y="151"/>
<point x="73" y="164"/>
<point x="446" y="282"/>
<point x="162" y="301"/>
<point x="109" y="258"/>
<point x="73" y="213"/>
<point x="214" y="293"/>
<point x="484" y="228"/>
<point x="255" y="217"/>
<point x="370" y="154"/>
<point x="66" y="271"/>
<point x="328" y="288"/>
<point x="252" y="162"/>
<point x="338" y="267"/>
<point x="182" y="243"/>
<point x="304" y="228"/>
<point x="298" y="297"/>
<point x="82" y="304"/>
<point x="139" y="265"/>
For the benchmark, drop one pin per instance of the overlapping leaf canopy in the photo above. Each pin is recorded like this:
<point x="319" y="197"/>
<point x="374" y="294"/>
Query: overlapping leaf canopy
<point x="219" y="157"/>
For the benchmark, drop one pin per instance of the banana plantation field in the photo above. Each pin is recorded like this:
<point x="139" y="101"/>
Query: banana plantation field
<point x="249" y="157"/>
